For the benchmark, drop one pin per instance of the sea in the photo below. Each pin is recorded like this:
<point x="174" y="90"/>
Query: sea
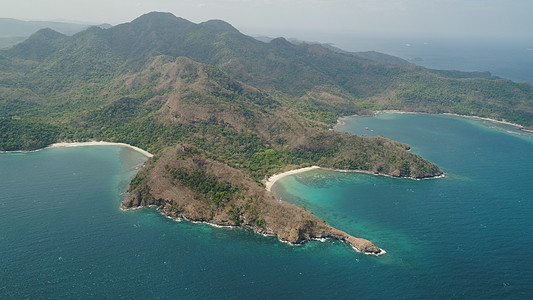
<point x="464" y="236"/>
<point x="506" y="57"/>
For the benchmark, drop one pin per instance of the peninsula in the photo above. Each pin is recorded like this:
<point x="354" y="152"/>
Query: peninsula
<point x="203" y="190"/>
<point x="222" y="112"/>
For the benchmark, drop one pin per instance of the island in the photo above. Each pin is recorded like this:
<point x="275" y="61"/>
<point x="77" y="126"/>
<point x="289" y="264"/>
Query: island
<point x="222" y="112"/>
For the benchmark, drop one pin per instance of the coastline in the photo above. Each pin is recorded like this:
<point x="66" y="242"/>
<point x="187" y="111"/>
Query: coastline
<point x="340" y="120"/>
<point x="520" y="127"/>
<point x="100" y="143"/>
<point x="357" y="244"/>
<point x="270" y="182"/>
<point x="384" y="175"/>
<point x="488" y="119"/>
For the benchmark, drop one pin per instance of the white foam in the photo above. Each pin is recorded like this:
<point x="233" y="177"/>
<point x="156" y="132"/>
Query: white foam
<point x="381" y="252"/>
<point x="322" y="240"/>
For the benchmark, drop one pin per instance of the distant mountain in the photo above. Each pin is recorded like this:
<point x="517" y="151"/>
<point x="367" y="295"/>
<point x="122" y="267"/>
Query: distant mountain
<point x="14" y="27"/>
<point x="371" y="55"/>
<point x="10" y="41"/>
<point x="13" y="31"/>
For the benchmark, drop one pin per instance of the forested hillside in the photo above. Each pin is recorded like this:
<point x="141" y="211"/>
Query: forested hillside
<point x="310" y="75"/>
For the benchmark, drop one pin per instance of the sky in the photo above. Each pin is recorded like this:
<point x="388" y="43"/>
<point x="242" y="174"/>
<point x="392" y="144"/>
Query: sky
<point x="305" y="19"/>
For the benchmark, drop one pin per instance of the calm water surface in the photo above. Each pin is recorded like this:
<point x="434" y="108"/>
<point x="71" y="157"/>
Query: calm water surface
<point x="62" y="234"/>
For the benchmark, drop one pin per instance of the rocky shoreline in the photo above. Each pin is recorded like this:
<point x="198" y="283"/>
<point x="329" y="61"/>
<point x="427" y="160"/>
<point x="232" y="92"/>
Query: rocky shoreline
<point x="358" y="244"/>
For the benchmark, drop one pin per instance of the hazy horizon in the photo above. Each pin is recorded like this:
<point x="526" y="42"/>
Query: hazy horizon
<point x="305" y="19"/>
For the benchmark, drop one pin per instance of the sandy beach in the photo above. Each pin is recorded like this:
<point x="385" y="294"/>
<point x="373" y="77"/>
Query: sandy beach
<point x="270" y="182"/>
<point x="487" y="119"/>
<point x="101" y="143"/>
<point x="520" y="127"/>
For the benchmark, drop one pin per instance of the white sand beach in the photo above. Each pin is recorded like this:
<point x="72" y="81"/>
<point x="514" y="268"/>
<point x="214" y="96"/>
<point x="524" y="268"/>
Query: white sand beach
<point x="340" y="121"/>
<point x="487" y="119"/>
<point x="270" y="182"/>
<point x="100" y="143"/>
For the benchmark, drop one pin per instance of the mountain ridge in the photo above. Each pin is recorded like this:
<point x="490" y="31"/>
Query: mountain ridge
<point x="297" y="69"/>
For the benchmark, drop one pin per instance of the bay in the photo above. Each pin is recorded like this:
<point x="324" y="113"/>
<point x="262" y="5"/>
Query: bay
<point x="461" y="236"/>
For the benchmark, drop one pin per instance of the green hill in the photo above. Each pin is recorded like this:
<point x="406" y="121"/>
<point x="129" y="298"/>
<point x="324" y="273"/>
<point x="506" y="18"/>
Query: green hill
<point x="300" y="72"/>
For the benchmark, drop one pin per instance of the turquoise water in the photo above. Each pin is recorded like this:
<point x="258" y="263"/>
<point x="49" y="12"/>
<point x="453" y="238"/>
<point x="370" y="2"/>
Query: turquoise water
<point x="465" y="235"/>
<point x="62" y="234"/>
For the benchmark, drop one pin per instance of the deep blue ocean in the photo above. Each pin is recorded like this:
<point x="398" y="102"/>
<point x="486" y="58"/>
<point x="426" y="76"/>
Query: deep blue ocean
<point x="467" y="235"/>
<point x="510" y="58"/>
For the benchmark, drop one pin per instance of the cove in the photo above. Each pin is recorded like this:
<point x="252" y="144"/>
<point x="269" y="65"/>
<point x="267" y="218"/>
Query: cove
<point x="457" y="236"/>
